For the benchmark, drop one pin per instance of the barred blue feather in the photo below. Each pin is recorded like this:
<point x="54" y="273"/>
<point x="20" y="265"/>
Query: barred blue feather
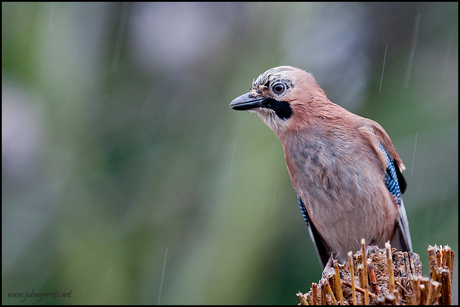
<point x="320" y="244"/>
<point x="304" y="211"/>
<point x="391" y="177"/>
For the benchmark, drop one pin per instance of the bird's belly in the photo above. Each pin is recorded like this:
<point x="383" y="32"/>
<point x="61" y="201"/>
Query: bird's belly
<point x="342" y="186"/>
<point x="347" y="208"/>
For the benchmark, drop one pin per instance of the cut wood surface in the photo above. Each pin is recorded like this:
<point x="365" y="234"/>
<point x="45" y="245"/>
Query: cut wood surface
<point x="385" y="276"/>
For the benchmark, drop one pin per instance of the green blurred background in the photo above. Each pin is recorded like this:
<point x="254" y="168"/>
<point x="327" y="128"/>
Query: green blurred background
<point x="127" y="179"/>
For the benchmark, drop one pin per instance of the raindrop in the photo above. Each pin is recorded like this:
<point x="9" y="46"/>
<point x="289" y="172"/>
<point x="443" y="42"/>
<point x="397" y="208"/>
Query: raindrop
<point x="413" y="157"/>
<point x="273" y="203"/>
<point x="231" y="163"/>
<point x="106" y="276"/>
<point x="447" y="57"/>
<point x="383" y="69"/>
<point x="84" y="211"/>
<point x="51" y="18"/>
<point x="120" y="34"/>
<point x="412" y="50"/>
<point x="162" y="275"/>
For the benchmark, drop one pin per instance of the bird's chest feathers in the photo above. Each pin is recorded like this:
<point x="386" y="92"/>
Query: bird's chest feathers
<point x="330" y="170"/>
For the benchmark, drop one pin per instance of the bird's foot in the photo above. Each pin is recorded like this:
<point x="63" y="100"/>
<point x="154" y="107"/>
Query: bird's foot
<point x="370" y="249"/>
<point x="328" y="268"/>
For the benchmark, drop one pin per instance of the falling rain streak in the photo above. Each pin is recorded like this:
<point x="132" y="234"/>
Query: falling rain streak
<point x="412" y="51"/>
<point x="383" y="69"/>
<point x="273" y="204"/>
<point x="84" y="210"/>
<point x="413" y="157"/>
<point x="447" y="57"/>
<point x="162" y="276"/>
<point x="120" y="34"/>
<point x="231" y="163"/>
<point x="106" y="277"/>
<point x="51" y="18"/>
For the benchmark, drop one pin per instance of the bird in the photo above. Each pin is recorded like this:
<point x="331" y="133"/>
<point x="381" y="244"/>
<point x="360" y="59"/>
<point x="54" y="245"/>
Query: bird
<point x="343" y="167"/>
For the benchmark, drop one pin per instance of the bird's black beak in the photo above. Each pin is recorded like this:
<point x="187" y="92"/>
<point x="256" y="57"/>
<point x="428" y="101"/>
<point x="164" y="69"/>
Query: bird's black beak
<point x="246" y="102"/>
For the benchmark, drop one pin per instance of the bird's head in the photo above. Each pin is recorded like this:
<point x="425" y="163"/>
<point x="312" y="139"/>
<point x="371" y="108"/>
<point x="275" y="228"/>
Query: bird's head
<point x="282" y="96"/>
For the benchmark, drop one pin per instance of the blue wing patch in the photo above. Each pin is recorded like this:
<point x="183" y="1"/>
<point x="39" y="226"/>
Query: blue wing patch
<point x="304" y="211"/>
<point x="320" y="245"/>
<point x="393" y="179"/>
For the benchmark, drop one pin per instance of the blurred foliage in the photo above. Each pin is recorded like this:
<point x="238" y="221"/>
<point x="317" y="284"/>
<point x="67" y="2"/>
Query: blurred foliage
<point x="127" y="179"/>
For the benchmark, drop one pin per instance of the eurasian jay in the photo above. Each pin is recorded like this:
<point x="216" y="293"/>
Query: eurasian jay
<point x="343" y="167"/>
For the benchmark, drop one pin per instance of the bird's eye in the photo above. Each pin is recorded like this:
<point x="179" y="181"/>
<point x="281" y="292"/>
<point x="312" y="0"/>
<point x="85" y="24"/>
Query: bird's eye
<point x="278" y="88"/>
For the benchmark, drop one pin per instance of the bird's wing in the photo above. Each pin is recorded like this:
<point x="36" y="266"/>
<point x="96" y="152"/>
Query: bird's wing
<point x="320" y="245"/>
<point x="383" y="138"/>
<point x="396" y="184"/>
<point x="401" y="239"/>
<point x="394" y="179"/>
